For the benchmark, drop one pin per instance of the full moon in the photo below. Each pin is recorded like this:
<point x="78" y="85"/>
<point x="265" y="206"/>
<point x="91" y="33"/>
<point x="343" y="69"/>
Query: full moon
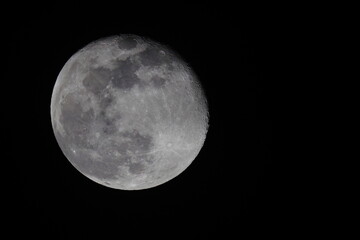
<point x="128" y="112"/>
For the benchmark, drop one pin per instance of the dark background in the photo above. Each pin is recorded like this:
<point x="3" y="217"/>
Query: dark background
<point x="233" y="186"/>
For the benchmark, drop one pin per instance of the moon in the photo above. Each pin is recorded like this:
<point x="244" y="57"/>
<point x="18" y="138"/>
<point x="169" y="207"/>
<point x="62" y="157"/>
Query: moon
<point x="128" y="112"/>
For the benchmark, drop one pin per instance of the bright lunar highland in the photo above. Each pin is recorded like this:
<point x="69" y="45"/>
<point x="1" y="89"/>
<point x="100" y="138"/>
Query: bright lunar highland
<point x="128" y="112"/>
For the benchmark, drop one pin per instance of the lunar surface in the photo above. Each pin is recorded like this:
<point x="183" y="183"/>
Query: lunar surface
<point x="128" y="113"/>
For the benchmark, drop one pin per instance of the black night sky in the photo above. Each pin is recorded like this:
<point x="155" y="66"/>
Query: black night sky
<point x="232" y="187"/>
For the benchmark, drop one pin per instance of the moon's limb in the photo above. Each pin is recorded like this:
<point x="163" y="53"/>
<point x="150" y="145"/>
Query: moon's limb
<point x="128" y="113"/>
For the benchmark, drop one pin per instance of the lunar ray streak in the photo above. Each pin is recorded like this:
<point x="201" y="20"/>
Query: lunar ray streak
<point x="82" y="121"/>
<point x="172" y="150"/>
<point x="163" y="149"/>
<point x="166" y="104"/>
